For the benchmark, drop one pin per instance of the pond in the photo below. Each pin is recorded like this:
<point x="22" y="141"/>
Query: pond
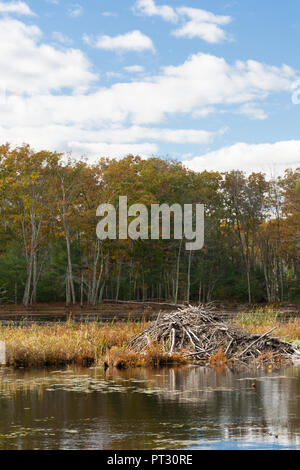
<point x="189" y="407"/>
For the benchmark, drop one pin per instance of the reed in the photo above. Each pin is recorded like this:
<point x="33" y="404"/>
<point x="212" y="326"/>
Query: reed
<point x="88" y="343"/>
<point x="154" y="356"/>
<point x="262" y="320"/>
<point x="60" y="344"/>
<point x="218" y="359"/>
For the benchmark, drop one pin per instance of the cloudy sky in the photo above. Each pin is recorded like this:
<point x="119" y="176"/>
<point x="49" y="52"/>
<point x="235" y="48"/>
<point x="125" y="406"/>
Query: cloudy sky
<point x="213" y="83"/>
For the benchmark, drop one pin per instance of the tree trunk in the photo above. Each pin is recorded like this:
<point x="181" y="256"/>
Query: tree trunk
<point x="81" y="291"/>
<point x="177" y="273"/>
<point x="118" y="281"/>
<point x="189" y="278"/>
<point x="68" y="298"/>
<point x="67" y="235"/>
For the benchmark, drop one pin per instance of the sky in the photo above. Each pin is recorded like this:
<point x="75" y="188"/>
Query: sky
<point x="214" y="84"/>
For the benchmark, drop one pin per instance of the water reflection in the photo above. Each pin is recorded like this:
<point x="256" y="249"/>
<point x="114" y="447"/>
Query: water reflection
<point x="168" y="408"/>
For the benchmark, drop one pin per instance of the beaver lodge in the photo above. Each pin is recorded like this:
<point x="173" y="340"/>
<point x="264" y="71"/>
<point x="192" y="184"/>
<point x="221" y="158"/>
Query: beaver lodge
<point x="198" y="333"/>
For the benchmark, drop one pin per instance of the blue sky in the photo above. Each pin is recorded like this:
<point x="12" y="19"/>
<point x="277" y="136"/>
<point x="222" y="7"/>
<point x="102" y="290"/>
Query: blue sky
<point x="210" y="83"/>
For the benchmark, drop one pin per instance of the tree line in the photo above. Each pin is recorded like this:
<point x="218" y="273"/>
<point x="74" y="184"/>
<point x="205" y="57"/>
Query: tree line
<point x="49" y="251"/>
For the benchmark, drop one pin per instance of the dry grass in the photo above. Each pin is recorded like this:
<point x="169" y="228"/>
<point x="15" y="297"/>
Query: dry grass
<point x="270" y="359"/>
<point x="58" y="344"/>
<point x="262" y="320"/>
<point x="218" y="359"/>
<point x="84" y="344"/>
<point x="155" y="356"/>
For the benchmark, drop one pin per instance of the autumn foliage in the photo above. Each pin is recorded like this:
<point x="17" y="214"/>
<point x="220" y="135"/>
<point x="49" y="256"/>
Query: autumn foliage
<point x="49" y="251"/>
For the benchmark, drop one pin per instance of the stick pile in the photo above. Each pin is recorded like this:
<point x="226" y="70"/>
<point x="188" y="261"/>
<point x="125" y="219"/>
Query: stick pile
<point x="198" y="332"/>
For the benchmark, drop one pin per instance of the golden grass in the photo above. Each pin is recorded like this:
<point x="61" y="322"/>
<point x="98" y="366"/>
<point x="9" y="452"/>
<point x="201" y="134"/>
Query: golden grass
<point x="65" y="343"/>
<point x="262" y="320"/>
<point x="84" y="344"/>
<point x="121" y="358"/>
<point x="218" y="359"/>
<point x="270" y="358"/>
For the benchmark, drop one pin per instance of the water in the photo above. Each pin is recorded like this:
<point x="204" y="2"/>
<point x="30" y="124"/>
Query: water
<point x="173" y="408"/>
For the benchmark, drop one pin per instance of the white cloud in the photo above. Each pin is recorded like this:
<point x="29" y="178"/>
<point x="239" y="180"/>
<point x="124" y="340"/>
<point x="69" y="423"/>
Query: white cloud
<point x="178" y="136"/>
<point x="203" y="112"/>
<point x="113" y="75"/>
<point x="19" y="8"/>
<point x="149" y="8"/>
<point x="134" y="69"/>
<point x="252" y="111"/>
<point x="64" y="136"/>
<point x="201" y="84"/>
<point x="37" y="108"/>
<point x="193" y="22"/>
<point x="29" y="66"/>
<point x="131" y="41"/>
<point x="201" y="24"/>
<point x="109" y="14"/>
<point x="62" y="38"/>
<point x="102" y="149"/>
<point x="139" y="133"/>
<point x="79" y="140"/>
<point x="269" y="157"/>
<point x="75" y="11"/>
<point x="203" y="16"/>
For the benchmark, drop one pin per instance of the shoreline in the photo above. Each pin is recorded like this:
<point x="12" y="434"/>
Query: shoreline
<point x="94" y="343"/>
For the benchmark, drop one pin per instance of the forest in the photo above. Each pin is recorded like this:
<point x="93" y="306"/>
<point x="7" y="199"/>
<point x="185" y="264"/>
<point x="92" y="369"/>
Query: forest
<point x="49" y="251"/>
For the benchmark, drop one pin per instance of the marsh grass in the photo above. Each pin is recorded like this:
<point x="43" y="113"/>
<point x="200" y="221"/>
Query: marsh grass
<point x="219" y="359"/>
<point x="154" y="356"/>
<point x="257" y="318"/>
<point x="64" y="343"/>
<point x="262" y="320"/>
<point x="96" y="343"/>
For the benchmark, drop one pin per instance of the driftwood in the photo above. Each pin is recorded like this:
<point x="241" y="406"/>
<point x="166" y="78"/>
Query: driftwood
<point x="199" y="332"/>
